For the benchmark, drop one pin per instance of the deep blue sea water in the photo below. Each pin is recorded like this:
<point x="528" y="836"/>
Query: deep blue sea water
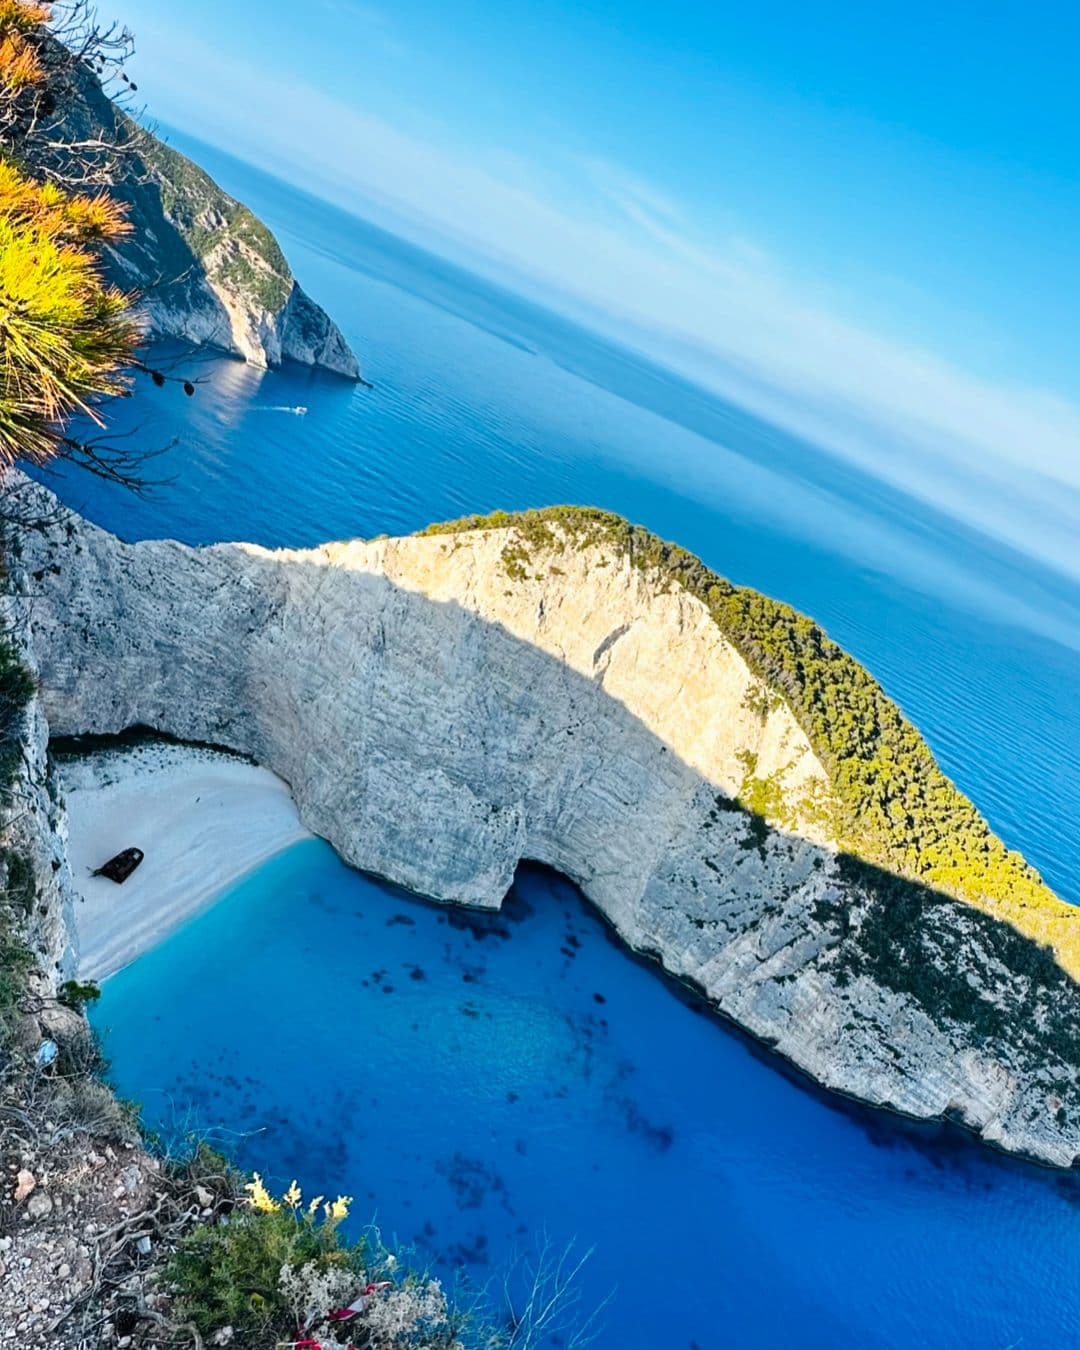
<point x="490" y="1095"/>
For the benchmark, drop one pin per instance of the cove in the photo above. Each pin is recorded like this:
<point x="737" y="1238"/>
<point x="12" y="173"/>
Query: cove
<point x="728" y="1205"/>
<point x="478" y="1081"/>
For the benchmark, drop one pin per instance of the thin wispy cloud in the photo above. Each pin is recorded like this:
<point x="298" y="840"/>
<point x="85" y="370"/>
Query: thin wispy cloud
<point x="639" y="200"/>
<point x="620" y="253"/>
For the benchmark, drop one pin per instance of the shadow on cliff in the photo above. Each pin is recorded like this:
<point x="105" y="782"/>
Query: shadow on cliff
<point x="530" y="743"/>
<point x="155" y="258"/>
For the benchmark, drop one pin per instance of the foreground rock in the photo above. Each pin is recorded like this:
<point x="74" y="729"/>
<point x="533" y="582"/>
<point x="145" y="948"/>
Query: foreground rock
<point x="79" y="1197"/>
<point x="445" y="706"/>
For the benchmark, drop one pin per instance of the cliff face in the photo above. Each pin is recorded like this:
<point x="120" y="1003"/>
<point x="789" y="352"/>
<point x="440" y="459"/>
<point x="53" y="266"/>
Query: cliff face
<point x="36" y="831"/>
<point x="209" y="271"/>
<point x="445" y="706"/>
<point x="36" y="885"/>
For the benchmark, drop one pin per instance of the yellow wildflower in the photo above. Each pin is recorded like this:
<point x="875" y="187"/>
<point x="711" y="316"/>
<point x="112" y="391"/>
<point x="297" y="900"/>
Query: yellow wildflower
<point x="311" y="1209"/>
<point x="292" y="1196"/>
<point x="259" y="1197"/>
<point x="338" y="1209"/>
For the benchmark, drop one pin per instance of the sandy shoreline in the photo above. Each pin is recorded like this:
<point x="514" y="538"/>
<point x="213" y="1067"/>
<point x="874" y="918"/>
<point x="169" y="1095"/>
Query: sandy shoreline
<point x="202" y="818"/>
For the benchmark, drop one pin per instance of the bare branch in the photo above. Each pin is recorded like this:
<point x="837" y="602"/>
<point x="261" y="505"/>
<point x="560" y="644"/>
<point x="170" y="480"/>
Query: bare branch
<point x="43" y="123"/>
<point x="543" y="1298"/>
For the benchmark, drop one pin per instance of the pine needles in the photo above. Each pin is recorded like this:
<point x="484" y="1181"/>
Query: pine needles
<point x="66" y="336"/>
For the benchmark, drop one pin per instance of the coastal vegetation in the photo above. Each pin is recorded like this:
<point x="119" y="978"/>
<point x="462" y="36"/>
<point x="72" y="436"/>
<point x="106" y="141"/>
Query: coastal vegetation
<point x="269" y="1269"/>
<point x="281" y="1271"/>
<point x="16" y="963"/>
<point x="67" y="336"/>
<point x="16" y="691"/>
<point x="891" y="806"/>
<point x="234" y="244"/>
<point x="966" y="967"/>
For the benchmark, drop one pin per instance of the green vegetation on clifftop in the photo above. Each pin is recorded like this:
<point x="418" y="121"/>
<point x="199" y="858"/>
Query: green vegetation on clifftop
<point x="233" y="244"/>
<point x="892" y="805"/>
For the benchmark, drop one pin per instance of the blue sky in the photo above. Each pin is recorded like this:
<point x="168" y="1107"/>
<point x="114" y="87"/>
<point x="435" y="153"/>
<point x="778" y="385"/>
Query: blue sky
<point x="863" y="219"/>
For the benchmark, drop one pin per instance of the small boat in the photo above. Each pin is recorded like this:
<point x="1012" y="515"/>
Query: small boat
<point x="120" y="867"/>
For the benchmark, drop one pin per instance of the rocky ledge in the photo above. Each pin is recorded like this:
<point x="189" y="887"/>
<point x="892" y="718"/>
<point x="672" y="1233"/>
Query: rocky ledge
<point x="734" y="793"/>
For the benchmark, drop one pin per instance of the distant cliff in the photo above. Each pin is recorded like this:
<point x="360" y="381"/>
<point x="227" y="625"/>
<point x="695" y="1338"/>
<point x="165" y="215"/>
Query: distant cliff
<point x="731" y="790"/>
<point x="208" y="270"/>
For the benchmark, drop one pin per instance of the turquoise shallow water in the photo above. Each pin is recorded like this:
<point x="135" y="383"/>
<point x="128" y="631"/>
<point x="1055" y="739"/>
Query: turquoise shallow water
<point x="493" y="1095"/>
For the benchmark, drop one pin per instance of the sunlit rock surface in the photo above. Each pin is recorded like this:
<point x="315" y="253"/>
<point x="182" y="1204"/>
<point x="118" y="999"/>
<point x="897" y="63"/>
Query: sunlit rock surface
<point x="441" y="713"/>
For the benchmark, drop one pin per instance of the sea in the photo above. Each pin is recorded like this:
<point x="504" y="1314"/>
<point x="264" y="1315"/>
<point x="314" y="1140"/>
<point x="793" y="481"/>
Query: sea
<point x="499" y="1093"/>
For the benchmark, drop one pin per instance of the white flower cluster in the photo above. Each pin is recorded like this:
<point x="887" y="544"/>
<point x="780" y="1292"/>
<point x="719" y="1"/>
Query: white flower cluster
<point x="414" y="1316"/>
<point x="313" y="1293"/>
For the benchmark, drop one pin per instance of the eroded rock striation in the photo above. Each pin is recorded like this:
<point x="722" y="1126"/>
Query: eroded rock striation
<point x="562" y="688"/>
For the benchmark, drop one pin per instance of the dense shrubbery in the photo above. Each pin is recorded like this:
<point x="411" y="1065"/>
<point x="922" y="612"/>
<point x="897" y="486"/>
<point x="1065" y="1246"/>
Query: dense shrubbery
<point x="278" y="1270"/>
<point x="66" y="334"/>
<point x="76" y="994"/>
<point x="977" y="972"/>
<point x="16" y="959"/>
<point x="185" y="190"/>
<point x="892" y="804"/>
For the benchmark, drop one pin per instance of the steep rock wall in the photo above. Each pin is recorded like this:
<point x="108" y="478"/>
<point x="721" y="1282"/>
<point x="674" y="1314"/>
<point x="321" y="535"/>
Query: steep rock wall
<point x="34" y="871"/>
<point x="441" y="713"/>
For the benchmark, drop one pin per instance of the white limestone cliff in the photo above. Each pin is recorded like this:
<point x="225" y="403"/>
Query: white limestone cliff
<point x="442" y="714"/>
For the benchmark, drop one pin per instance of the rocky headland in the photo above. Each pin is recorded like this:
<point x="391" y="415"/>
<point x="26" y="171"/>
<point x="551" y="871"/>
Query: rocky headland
<point x="736" y="795"/>
<point x="205" y="268"/>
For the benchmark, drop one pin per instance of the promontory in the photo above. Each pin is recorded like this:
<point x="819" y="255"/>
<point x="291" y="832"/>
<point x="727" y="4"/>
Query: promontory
<point x="735" y="794"/>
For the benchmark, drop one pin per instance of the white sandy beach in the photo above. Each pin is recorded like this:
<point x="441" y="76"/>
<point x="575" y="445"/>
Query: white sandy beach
<point x="203" y="819"/>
